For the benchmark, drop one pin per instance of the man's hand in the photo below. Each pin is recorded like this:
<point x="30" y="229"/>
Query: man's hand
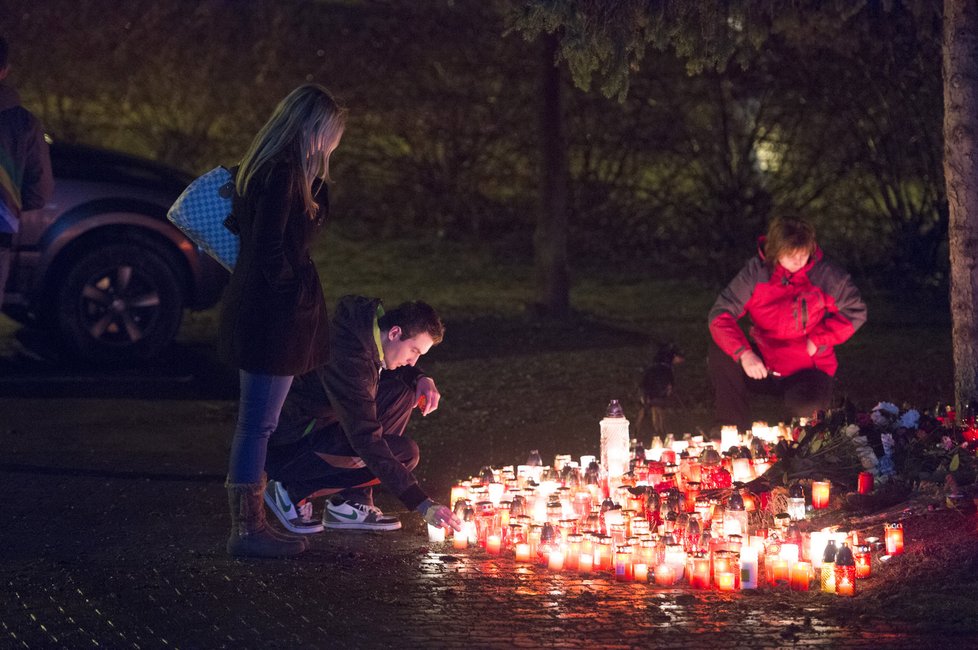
<point x="426" y="395"/>
<point x="752" y="365"/>
<point x="442" y="517"/>
<point x="811" y="347"/>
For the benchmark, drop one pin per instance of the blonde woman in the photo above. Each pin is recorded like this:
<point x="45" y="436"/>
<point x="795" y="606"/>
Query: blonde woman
<point x="274" y="324"/>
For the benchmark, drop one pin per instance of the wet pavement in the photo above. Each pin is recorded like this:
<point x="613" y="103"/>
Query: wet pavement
<point x="113" y="534"/>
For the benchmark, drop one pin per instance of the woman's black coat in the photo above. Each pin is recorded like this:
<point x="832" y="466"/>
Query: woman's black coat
<point x="273" y="319"/>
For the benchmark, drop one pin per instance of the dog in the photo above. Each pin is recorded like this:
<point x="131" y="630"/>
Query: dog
<point x="656" y="388"/>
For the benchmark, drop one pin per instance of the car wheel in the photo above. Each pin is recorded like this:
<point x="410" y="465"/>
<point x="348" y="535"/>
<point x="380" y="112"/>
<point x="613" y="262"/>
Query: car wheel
<point x="119" y="302"/>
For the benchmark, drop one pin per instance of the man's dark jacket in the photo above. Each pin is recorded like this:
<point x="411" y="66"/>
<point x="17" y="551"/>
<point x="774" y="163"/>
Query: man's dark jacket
<point x="345" y="391"/>
<point x="26" y="182"/>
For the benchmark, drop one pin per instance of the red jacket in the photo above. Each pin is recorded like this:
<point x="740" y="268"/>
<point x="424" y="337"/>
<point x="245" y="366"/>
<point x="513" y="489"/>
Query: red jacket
<point x="819" y="302"/>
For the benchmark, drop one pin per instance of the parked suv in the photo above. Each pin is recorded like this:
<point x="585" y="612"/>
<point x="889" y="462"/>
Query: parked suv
<point x="101" y="266"/>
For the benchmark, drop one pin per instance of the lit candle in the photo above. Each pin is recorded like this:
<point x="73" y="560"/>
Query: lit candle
<point x="700" y="577"/>
<point x="779" y="570"/>
<point x="556" y="561"/>
<point x="820" y="494"/>
<point x="522" y="552"/>
<point x="584" y="562"/>
<point x="459" y="492"/>
<point x="641" y="572"/>
<point x="748" y="568"/>
<point x="729" y="437"/>
<point x="493" y="544"/>
<point x="742" y="470"/>
<point x="665" y="575"/>
<point x="725" y="581"/>
<point x="894" y="538"/>
<point x="460" y="540"/>
<point x="864" y="562"/>
<point x="800" y="576"/>
<point x="496" y="493"/>
<point x="865" y="482"/>
<point x="436" y="533"/>
<point x="790" y="554"/>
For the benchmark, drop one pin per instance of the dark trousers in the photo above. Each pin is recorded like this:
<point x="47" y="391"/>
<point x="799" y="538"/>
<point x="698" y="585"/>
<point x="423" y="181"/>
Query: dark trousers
<point x="323" y="462"/>
<point x="803" y="392"/>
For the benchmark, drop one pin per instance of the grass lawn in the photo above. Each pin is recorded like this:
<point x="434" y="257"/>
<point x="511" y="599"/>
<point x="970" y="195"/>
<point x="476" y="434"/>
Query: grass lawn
<point x="512" y="383"/>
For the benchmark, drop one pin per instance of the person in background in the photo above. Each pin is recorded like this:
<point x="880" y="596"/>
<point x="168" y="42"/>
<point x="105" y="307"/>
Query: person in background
<point x="801" y="306"/>
<point x="273" y="323"/>
<point x="26" y="182"/>
<point x="342" y="426"/>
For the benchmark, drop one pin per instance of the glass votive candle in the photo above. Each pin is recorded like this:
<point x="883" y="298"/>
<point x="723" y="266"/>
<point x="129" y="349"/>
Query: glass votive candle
<point x="700" y="576"/>
<point x="865" y="483"/>
<point x="556" y="560"/>
<point x="801" y="574"/>
<point x="585" y="562"/>
<point x="641" y="571"/>
<point x="493" y="544"/>
<point x="864" y="562"/>
<point x="820" y="494"/>
<point x="725" y="581"/>
<point x="894" y="538"/>
<point x="665" y="575"/>
<point x="436" y="533"/>
<point x="522" y="552"/>
<point x="460" y="539"/>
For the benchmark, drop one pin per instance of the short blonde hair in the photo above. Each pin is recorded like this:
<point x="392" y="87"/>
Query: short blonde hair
<point x="307" y="124"/>
<point x="786" y="235"/>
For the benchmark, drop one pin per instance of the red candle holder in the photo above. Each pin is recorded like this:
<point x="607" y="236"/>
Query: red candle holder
<point x="865" y="483"/>
<point x="894" y="538"/>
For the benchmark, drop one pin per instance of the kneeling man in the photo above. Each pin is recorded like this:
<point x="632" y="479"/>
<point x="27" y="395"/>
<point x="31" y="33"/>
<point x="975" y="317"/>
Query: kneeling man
<point x="341" y="430"/>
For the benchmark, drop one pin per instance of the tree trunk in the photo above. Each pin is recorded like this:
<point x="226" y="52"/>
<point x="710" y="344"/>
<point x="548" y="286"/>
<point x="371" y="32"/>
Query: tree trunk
<point x="960" y="63"/>
<point x="550" y="238"/>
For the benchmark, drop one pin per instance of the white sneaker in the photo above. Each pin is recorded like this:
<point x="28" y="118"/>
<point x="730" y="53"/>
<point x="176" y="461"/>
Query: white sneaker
<point x="357" y="516"/>
<point x="295" y="518"/>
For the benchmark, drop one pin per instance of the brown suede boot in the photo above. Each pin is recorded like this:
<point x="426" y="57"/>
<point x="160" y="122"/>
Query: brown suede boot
<point x="250" y="535"/>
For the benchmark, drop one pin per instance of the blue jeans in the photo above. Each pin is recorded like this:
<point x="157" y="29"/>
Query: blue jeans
<point x="261" y="402"/>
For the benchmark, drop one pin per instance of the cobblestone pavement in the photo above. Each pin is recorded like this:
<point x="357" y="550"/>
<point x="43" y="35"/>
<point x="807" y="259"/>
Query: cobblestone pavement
<point x="113" y="533"/>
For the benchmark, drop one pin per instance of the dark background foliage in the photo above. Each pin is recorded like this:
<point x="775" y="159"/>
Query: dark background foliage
<point x="841" y="125"/>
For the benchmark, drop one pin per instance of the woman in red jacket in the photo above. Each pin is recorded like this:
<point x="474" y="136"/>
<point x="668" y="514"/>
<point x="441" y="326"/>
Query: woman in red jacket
<point x="274" y="324"/>
<point x="800" y="306"/>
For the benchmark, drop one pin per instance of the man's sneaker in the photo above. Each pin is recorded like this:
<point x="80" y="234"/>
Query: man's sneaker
<point x="357" y="516"/>
<point x="295" y="518"/>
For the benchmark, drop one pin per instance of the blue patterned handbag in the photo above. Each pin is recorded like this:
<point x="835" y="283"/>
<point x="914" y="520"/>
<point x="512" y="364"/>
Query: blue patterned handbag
<point x="203" y="213"/>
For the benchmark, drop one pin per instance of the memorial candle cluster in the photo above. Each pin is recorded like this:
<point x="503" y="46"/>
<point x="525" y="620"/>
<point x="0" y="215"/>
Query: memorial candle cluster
<point x="673" y="513"/>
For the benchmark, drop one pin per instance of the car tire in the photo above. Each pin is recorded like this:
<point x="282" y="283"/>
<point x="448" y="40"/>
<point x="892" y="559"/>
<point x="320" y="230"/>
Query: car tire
<point x="118" y="303"/>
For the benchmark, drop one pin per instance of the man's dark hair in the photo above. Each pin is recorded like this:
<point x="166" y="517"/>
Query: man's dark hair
<point x="414" y="318"/>
<point x="4" y="52"/>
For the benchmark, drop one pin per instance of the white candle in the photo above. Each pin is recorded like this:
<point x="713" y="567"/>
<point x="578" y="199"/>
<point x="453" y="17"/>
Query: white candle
<point x="556" y="561"/>
<point x="493" y="544"/>
<point x="748" y="568"/>
<point x="436" y="533"/>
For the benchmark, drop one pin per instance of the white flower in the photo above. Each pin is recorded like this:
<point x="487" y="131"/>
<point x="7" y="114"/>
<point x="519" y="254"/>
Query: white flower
<point x="884" y="413"/>
<point x="852" y="430"/>
<point x="909" y="420"/>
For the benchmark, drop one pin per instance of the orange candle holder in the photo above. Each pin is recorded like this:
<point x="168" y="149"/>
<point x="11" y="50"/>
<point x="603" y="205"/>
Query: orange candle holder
<point x="801" y="575"/>
<point x="641" y="571"/>
<point x="522" y="552"/>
